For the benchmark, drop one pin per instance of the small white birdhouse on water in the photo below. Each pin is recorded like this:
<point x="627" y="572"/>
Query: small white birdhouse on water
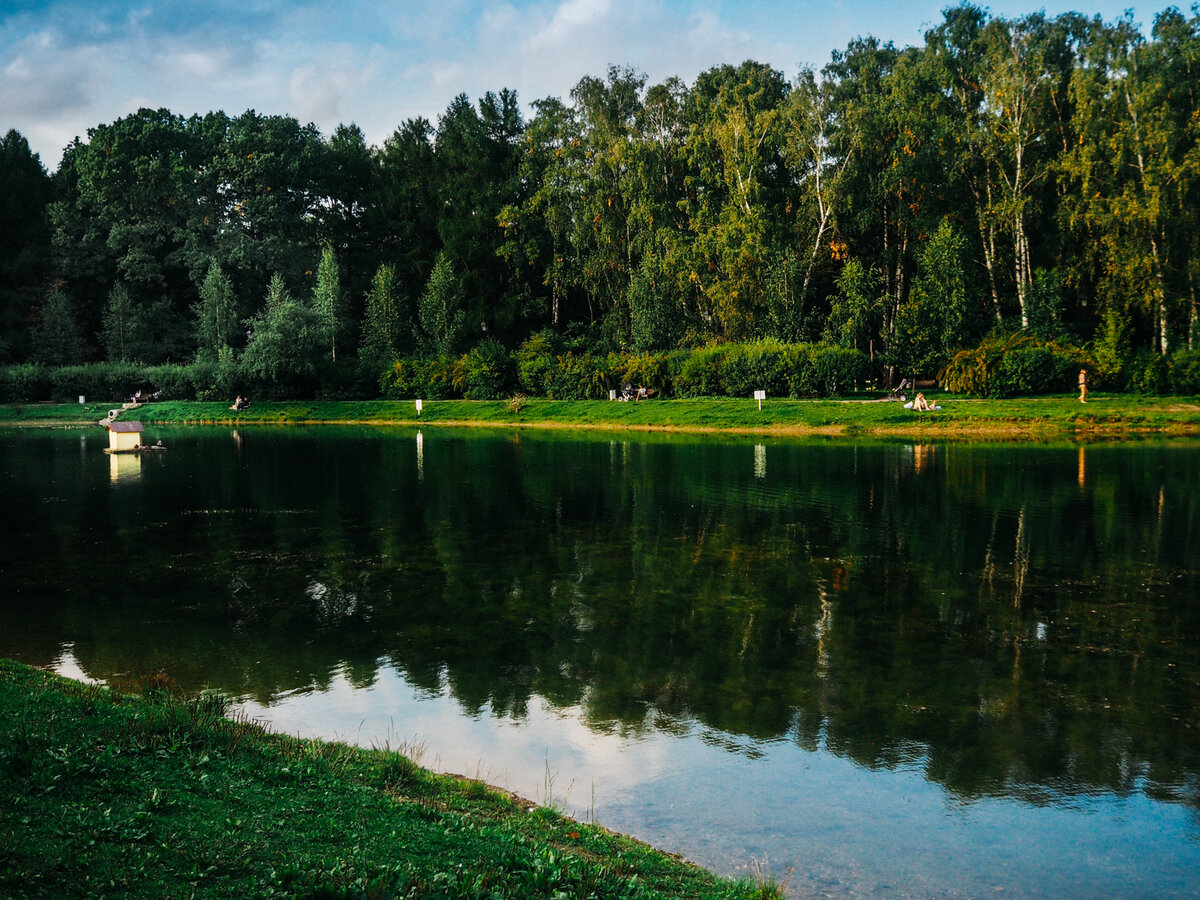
<point x="123" y="436"/>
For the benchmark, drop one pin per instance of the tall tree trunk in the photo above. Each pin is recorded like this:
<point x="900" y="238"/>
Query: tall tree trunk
<point x="987" y="240"/>
<point x="887" y="278"/>
<point x="1021" y="240"/>
<point x="1194" y="316"/>
<point x="1159" y="311"/>
<point x="1160" y="298"/>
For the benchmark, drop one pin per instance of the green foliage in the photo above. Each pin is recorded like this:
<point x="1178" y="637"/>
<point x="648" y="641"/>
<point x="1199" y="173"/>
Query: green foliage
<point x="535" y="359"/>
<point x="837" y="370"/>
<point x="1004" y="365"/>
<point x="655" y="322"/>
<point x="1033" y="370"/>
<point x="441" y="310"/>
<point x="654" y="371"/>
<point x="217" y="325"/>
<point x="819" y="370"/>
<point x="110" y="382"/>
<point x="1026" y="169"/>
<point x="700" y="374"/>
<point x="1046" y="303"/>
<point x="854" y="309"/>
<point x="1185" y="371"/>
<point x="787" y="312"/>
<point x="1112" y="346"/>
<point x="216" y="379"/>
<point x="747" y="368"/>
<point x="287" y="341"/>
<point x="120" y="319"/>
<point x="1146" y="372"/>
<point x="487" y="372"/>
<point x="144" y="332"/>
<point x="327" y="298"/>
<point x="580" y="376"/>
<point x="420" y="377"/>
<point x="171" y="381"/>
<point x="114" y="382"/>
<point x="24" y="382"/>
<point x="934" y="320"/>
<point x="56" y="334"/>
<point x="385" y="326"/>
<point x="782" y="370"/>
<point x="25" y="192"/>
<point x="103" y="781"/>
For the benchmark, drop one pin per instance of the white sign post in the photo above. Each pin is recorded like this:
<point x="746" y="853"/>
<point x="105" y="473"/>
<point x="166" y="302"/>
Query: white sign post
<point x="418" y="407"/>
<point x="760" y="396"/>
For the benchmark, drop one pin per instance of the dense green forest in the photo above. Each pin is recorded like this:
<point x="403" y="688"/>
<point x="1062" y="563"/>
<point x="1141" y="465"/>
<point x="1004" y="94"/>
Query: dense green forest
<point x="1011" y="184"/>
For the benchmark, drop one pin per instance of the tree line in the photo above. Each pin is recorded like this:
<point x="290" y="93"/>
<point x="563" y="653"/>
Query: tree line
<point x="1033" y="176"/>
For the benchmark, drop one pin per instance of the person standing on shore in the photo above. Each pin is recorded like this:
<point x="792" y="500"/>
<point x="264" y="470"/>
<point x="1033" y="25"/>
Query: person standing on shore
<point x="1083" y="385"/>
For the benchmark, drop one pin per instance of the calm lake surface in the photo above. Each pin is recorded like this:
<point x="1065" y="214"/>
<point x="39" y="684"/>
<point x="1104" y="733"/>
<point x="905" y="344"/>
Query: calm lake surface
<point x="869" y="669"/>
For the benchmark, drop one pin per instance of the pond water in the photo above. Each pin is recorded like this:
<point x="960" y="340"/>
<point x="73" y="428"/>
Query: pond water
<point x="865" y="668"/>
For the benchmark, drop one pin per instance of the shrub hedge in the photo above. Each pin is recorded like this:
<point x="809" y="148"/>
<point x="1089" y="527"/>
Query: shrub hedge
<point x="1005" y="365"/>
<point x="541" y="367"/>
<point x="1001" y="366"/>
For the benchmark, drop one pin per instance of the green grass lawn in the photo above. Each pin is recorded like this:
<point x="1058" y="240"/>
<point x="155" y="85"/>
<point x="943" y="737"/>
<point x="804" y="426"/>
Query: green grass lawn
<point x="151" y="795"/>
<point x="959" y="415"/>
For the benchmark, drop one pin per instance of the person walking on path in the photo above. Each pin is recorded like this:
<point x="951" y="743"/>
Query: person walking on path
<point x="1083" y="385"/>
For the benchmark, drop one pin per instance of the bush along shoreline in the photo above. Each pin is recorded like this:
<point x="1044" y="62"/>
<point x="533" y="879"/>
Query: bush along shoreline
<point x="152" y="794"/>
<point x="549" y="367"/>
<point x="542" y="367"/>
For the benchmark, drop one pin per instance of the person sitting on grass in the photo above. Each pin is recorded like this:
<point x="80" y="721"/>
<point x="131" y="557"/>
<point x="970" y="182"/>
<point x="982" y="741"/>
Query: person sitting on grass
<point x="920" y="404"/>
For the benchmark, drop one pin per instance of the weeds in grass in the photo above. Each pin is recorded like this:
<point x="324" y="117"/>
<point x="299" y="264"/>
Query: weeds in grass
<point x="397" y="771"/>
<point x="548" y="799"/>
<point x="767" y="887"/>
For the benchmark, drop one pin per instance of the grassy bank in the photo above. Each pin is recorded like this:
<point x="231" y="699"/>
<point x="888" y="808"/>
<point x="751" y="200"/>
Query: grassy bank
<point x="1042" y="416"/>
<point x="154" y="795"/>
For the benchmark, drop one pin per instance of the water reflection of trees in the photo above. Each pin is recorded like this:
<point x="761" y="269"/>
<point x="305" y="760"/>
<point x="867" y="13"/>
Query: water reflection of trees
<point x="1011" y="619"/>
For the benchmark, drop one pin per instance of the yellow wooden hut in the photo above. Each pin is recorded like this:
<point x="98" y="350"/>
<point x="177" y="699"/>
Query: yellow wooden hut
<point x="123" y="437"/>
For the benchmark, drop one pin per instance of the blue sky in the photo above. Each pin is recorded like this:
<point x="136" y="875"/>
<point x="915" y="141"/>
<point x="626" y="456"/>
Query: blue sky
<point x="67" y="65"/>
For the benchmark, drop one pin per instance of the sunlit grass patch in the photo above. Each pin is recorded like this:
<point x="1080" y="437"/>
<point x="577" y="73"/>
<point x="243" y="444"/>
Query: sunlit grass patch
<point x="855" y="414"/>
<point x="154" y="794"/>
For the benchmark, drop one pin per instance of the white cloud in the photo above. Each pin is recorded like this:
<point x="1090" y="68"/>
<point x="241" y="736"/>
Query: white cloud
<point x="197" y="64"/>
<point x="43" y="78"/>
<point x="573" y="21"/>
<point x="324" y="90"/>
<point x="69" y="65"/>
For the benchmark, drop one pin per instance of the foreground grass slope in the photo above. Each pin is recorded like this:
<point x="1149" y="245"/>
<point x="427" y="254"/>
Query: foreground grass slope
<point x="105" y="794"/>
<point x="1034" y="416"/>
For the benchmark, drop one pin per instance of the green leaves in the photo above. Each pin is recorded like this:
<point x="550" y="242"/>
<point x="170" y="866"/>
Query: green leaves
<point x="935" y="319"/>
<point x="664" y="215"/>
<point x="287" y="340"/>
<point x="217" y="323"/>
<point x="386" y="328"/>
<point x="441" y="310"/>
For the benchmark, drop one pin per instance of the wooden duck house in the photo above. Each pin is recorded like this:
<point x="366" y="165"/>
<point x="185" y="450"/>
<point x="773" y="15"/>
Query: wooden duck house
<point x="124" y="437"/>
